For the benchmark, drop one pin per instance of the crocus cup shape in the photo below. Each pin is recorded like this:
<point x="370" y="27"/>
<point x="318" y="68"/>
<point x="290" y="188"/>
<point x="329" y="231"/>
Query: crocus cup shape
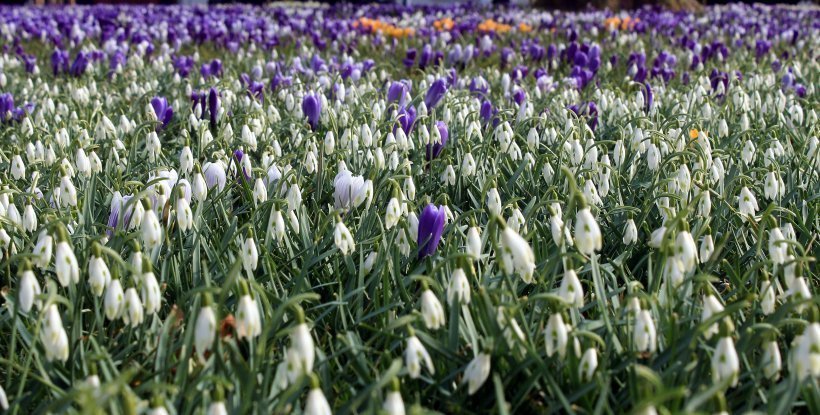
<point x="431" y="226"/>
<point x="434" y="149"/>
<point x="163" y="110"/>
<point x="435" y="93"/>
<point x="398" y="93"/>
<point x="312" y="108"/>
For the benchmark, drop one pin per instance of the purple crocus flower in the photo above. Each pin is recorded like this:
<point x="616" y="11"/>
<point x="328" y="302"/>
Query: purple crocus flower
<point x="80" y="64"/>
<point x="406" y="118"/>
<point x="433" y="150"/>
<point x="435" y="93"/>
<point x="410" y="58"/>
<point x="312" y="109"/>
<point x="431" y="226"/>
<point x="163" y="111"/>
<point x="213" y="106"/>
<point x="213" y="68"/>
<point x="650" y="97"/>
<point x="397" y="93"/>
<point x="6" y="106"/>
<point x="59" y="61"/>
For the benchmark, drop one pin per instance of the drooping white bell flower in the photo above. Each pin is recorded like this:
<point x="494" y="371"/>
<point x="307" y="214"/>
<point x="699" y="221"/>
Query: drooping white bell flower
<point x="588" y="236"/>
<point x="65" y="264"/>
<point x="644" y="334"/>
<point x="571" y="290"/>
<point x="747" y="203"/>
<point x="98" y="275"/>
<point x="458" y="289"/>
<point x="343" y="239"/>
<point x="493" y="202"/>
<point x="151" y="297"/>
<point x="477" y="372"/>
<point x="556" y="336"/>
<point x="772" y="361"/>
<point x="204" y="330"/>
<point x="113" y="301"/>
<point x="431" y="310"/>
<point x="53" y="335"/>
<point x="248" y="322"/>
<point x="29" y="289"/>
<point x="725" y="363"/>
<point x="473" y="247"/>
<point x="588" y="364"/>
<point x="630" y="232"/>
<point x="150" y="230"/>
<point x="517" y="255"/>
<point x="416" y="357"/>
<point x="133" y="310"/>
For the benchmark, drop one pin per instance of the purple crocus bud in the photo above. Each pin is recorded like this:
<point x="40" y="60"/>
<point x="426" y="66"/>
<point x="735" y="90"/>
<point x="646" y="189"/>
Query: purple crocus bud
<point x="519" y="96"/>
<point x="435" y="93"/>
<point x="486" y="111"/>
<point x="213" y="106"/>
<point x="406" y="118"/>
<point x="431" y="226"/>
<point x="397" y="93"/>
<point x="312" y="108"/>
<point x="59" y="61"/>
<point x="163" y="111"/>
<point x="238" y="154"/>
<point x="410" y="57"/>
<point x="426" y="56"/>
<point x="6" y="105"/>
<point x="434" y="149"/>
<point x="80" y="64"/>
<point x="800" y="90"/>
<point x="650" y="97"/>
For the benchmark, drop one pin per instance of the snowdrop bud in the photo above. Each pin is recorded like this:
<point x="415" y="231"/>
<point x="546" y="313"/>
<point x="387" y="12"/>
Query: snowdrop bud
<point x="588" y="364"/>
<point x="806" y="352"/>
<point x="29" y="219"/>
<point x="767" y="297"/>
<point x="316" y="402"/>
<point x="250" y="255"/>
<point x="431" y="310"/>
<point x="204" y="330"/>
<point x="185" y="217"/>
<point x="711" y="306"/>
<point x="294" y="197"/>
<point x="747" y="203"/>
<point x="416" y="357"/>
<point x="151" y="297"/>
<point x="588" y="237"/>
<point x="630" y="232"/>
<point x="393" y="403"/>
<point x="199" y="188"/>
<point x="477" y="372"/>
<point x="329" y="143"/>
<point x="186" y="161"/>
<point x="556" y="335"/>
<point x="18" y="168"/>
<point x="68" y="193"/>
<point x="248" y="322"/>
<point x="393" y="214"/>
<point x="725" y="363"/>
<point x="133" y="312"/>
<point x="28" y="291"/>
<point x="686" y="250"/>
<point x="517" y="255"/>
<point x="458" y="289"/>
<point x="468" y="165"/>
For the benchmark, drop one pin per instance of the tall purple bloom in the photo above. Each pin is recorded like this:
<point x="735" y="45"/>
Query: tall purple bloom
<point x="435" y="93"/>
<point x="213" y="106"/>
<point x="80" y="64"/>
<point x="397" y="93"/>
<point x="431" y="226"/>
<point x="312" y="108"/>
<point x="433" y="150"/>
<point x="406" y="118"/>
<point x="163" y="111"/>
<point x="59" y="61"/>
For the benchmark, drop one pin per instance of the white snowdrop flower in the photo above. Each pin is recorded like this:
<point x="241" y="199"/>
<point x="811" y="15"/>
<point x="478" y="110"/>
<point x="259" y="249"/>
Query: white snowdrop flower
<point x="556" y="336"/>
<point x="29" y="219"/>
<point x="771" y="186"/>
<point x="778" y="248"/>
<point x="799" y="291"/>
<point x="517" y="255"/>
<point x="186" y="160"/>
<point x="137" y="214"/>
<point x="768" y="299"/>
<point x="17" y="167"/>
<point x="448" y="176"/>
<point x="588" y="236"/>
<point x="96" y="163"/>
<point x="516" y="221"/>
<point x="547" y="172"/>
<point x="619" y="154"/>
<point x="329" y="144"/>
<point x="725" y="363"/>
<point x="747" y="203"/>
<point x="477" y="372"/>
<point x="771" y="360"/>
<point x="317" y="403"/>
<point x="630" y="232"/>
<point x="185" y="218"/>
<point x="458" y="289"/>
<point x="248" y="322"/>
<point x="393" y="213"/>
<point x="199" y="188"/>
<point x="158" y="410"/>
<point x="343" y="239"/>
<point x="68" y="193"/>
<point x="560" y="232"/>
<point x="277" y="222"/>
<point x="431" y="310"/>
<point x="98" y="275"/>
<point x="249" y="255"/>
<point x="65" y="264"/>
<point x="409" y="188"/>
<point x="653" y="157"/>
<point x="416" y="358"/>
<point x="13" y="215"/>
<point x="493" y="202"/>
<point x="29" y="289"/>
<point x="686" y="250"/>
<point x="151" y="297"/>
<point x="644" y="334"/>
<point x="747" y="154"/>
<point x="393" y="403"/>
<point x="260" y="192"/>
<point x="711" y="306"/>
<point x="806" y="352"/>
<point x="707" y="247"/>
<point x="217" y="408"/>
<point x="588" y="364"/>
<point x="370" y="262"/>
<point x="53" y="335"/>
<point x="301" y="353"/>
<point x="133" y="311"/>
<point x="150" y="230"/>
<point x="674" y="271"/>
<point x="723" y="128"/>
<point x="571" y="290"/>
<point x="82" y="162"/>
<point x="310" y="162"/>
<point x="4" y="400"/>
<point x="204" y="330"/>
<point x="468" y="165"/>
<point x="403" y="243"/>
<point x="113" y="301"/>
<point x="705" y="204"/>
<point x="474" y="245"/>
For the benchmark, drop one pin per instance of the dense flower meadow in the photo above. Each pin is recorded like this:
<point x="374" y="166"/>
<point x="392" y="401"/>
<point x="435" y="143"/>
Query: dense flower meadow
<point x="379" y="209"/>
